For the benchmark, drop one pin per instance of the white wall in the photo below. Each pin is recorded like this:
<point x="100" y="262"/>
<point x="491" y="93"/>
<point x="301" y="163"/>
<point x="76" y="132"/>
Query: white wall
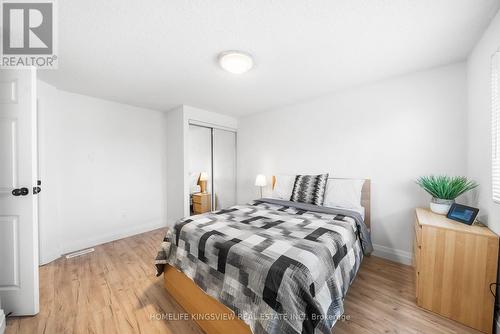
<point x="479" y="127"/>
<point x="49" y="123"/>
<point x="391" y="132"/>
<point x="479" y="122"/>
<point x="175" y="164"/>
<point x="209" y="117"/>
<point x="2" y="319"/>
<point x="103" y="171"/>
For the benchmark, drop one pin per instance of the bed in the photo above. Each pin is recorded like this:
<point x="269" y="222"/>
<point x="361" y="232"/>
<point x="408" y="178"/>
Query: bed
<point x="269" y="266"/>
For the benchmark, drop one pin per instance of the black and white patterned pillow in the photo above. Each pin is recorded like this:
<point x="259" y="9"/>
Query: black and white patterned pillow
<point x="309" y="189"/>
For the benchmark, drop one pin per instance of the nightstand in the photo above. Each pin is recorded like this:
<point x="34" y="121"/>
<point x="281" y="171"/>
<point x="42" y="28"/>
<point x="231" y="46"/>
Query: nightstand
<point x="454" y="266"/>
<point x="201" y="203"/>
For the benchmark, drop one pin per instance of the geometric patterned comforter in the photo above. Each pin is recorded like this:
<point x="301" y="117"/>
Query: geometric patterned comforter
<point x="282" y="267"/>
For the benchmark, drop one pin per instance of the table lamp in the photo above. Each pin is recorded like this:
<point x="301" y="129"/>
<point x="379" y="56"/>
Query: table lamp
<point x="260" y="181"/>
<point x="203" y="181"/>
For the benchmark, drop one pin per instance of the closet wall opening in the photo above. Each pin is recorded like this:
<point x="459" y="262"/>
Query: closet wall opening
<point x="211" y="167"/>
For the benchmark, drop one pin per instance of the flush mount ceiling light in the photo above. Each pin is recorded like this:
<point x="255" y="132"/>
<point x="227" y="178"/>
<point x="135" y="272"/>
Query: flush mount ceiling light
<point x="235" y="62"/>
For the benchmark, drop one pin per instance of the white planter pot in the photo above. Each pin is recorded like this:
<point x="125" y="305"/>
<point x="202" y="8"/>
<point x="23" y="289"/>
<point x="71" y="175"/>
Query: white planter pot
<point x="441" y="206"/>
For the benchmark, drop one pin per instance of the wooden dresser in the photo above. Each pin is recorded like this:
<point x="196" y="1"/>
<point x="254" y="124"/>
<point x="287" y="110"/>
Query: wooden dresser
<point x="454" y="266"/>
<point x="201" y="203"/>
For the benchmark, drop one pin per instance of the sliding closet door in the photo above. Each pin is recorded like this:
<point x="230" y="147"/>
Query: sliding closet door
<point x="199" y="155"/>
<point x="224" y="168"/>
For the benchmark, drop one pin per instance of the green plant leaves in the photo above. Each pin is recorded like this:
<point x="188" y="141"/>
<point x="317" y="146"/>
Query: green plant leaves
<point x="445" y="187"/>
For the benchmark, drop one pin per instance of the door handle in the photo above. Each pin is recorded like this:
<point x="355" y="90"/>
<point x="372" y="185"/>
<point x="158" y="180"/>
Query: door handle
<point x="20" y="192"/>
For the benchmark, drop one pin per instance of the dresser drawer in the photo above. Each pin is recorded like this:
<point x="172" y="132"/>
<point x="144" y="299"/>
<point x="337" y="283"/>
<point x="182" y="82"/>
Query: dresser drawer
<point x="454" y="266"/>
<point x="201" y="199"/>
<point x="200" y="208"/>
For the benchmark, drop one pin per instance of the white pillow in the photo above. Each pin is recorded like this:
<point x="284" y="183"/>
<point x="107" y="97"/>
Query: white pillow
<point x="343" y="193"/>
<point x="283" y="187"/>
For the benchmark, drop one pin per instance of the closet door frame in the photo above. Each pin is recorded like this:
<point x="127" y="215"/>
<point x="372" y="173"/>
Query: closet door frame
<point x="212" y="126"/>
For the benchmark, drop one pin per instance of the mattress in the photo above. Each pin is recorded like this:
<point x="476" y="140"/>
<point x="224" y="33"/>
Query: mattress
<point x="282" y="267"/>
<point x="360" y="210"/>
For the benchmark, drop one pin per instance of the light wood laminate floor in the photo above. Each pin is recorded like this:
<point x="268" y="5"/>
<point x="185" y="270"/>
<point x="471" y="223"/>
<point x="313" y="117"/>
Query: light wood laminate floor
<point x="114" y="290"/>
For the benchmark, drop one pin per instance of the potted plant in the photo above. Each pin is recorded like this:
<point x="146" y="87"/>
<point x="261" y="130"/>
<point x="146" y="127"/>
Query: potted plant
<point x="444" y="190"/>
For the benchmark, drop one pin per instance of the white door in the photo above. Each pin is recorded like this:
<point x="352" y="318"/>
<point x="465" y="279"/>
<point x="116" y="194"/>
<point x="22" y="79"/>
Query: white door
<point x="18" y="203"/>
<point x="224" y="174"/>
<point x="200" y="154"/>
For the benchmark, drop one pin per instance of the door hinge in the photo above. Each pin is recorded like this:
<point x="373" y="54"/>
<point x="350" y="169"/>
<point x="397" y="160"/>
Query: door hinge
<point x="37" y="189"/>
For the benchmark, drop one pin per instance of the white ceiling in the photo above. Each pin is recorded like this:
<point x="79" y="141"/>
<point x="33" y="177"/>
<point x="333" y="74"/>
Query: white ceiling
<point x="162" y="53"/>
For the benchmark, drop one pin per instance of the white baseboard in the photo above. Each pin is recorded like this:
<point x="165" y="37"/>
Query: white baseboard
<point x="49" y="257"/>
<point x="69" y="247"/>
<point x="497" y="324"/>
<point x="2" y="322"/>
<point x="392" y="254"/>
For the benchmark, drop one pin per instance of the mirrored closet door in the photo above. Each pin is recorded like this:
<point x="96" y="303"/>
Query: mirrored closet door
<point x="224" y="168"/>
<point x="211" y="168"/>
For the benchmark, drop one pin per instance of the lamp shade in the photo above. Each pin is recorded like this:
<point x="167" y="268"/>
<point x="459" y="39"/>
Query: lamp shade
<point x="203" y="176"/>
<point x="260" y="180"/>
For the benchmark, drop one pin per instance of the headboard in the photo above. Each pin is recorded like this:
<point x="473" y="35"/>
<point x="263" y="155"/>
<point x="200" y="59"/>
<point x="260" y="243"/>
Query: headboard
<point x="365" y="197"/>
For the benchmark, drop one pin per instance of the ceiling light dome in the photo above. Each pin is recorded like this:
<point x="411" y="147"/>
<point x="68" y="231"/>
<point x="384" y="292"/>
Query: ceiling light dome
<point x="235" y="62"/>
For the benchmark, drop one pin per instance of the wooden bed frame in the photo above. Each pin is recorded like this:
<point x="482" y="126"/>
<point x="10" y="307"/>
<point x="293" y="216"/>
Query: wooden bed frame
<point x="199" y="304"/>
